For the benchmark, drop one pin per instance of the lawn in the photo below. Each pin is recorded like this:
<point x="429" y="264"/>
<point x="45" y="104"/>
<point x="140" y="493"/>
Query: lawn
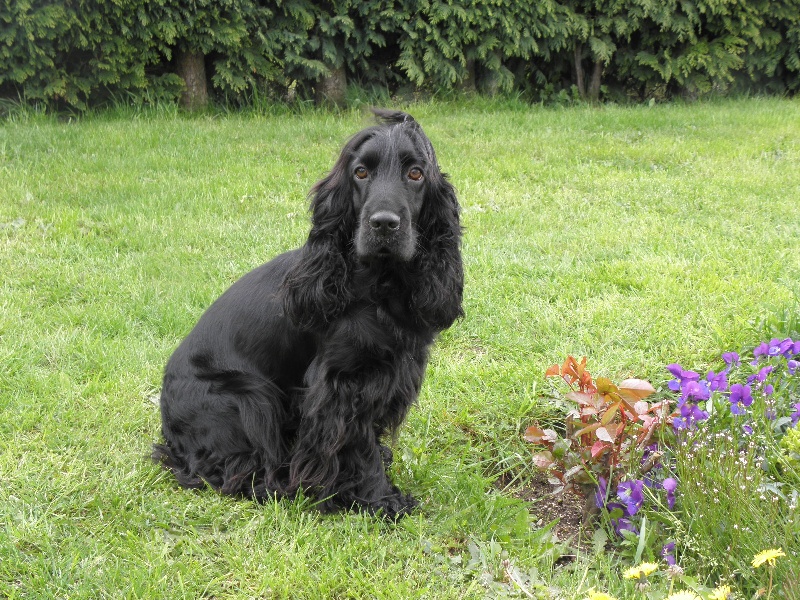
<point x="637" y="236"/>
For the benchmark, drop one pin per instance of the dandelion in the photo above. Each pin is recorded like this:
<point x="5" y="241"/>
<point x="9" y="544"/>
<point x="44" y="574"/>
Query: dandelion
<point x="643" y="570"/>
<point x="721" y="592"/>
<point x="767" y="556"/>
<point x="600" y="595"/>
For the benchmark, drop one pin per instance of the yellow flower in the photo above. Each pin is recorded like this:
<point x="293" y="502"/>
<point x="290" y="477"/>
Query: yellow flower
<point x="600" y="595"/>
<point x="684" y="595"/>
<point x="767" y="556"/>
<point x="720" y="593"/>
<point x="643" y="570"/>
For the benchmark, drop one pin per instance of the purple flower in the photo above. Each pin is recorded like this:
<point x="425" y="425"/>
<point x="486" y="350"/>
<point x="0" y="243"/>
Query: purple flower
<point x="761" y="376"/>
<point x="796" y="348"/>
<point x="731" y="360"/>
<point x="717" y="381"/>
<point x="740" y="395"/>
<point x="761" y="350"/>
<point x="792" y="365"/>
<point x="601" y="493"/>
<point x="747" y="429"/>
<point x="630" y="492"/>
<point x="668" y="553"/>
<point x="690" y="414"/>
<point x="782" y="347"/>
<point x="796" y="414"/>
<point x="623" y="524"/>
<point x="768" y="389"/>
<point x="696" y="390"/>
<point x="681" y="377"/>
<point x="670" y="485"/>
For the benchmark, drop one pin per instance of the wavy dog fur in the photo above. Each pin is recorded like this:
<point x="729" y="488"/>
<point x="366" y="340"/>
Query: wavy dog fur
<point x="296" y="374"/>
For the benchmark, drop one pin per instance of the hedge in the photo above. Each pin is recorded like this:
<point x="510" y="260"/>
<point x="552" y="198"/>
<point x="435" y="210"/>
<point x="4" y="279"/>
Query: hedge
<point x="79" y="53"/>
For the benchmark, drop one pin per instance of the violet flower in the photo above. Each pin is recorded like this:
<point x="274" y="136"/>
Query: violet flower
<point x="696" y="390"/>
<point x="668" y="553"/>
<point x="670" y="485"/>
<point x="630" y="492"/>
<point x="741" y="395"/>
<point x="796" y="414"/>
<point x="601" y="493"/>
<point x="731" y="360"/>
<point x="690" y="414"/>
<point x="717" y="381"/>
<point x="761" y="376"/>
<point x="761" y="350"/>
<point x="623" y="524"/>
<point x="681" y="377"/>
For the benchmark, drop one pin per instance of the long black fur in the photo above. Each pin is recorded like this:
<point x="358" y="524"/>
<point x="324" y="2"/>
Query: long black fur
<point x="296" y="374"/>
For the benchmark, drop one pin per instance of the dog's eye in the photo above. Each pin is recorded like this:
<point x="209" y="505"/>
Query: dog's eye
<point x="415" y="174"/>
<point x="361" y="172"/>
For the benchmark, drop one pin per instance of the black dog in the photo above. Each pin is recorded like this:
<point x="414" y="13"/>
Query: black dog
<point x="292" y="377"/>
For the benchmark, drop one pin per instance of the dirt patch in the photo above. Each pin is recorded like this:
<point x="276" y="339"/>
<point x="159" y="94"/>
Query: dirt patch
<point x="568" y="507"/>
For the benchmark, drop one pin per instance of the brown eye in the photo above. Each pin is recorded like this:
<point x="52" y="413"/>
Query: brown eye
<point x="415" y="174"/>
<point x="361" y="172"/>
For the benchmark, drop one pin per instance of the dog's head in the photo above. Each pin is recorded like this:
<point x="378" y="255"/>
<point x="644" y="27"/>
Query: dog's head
<point x="375" y="196"/>
<point x="389" y="184"/>
<point x="385" y="202"/>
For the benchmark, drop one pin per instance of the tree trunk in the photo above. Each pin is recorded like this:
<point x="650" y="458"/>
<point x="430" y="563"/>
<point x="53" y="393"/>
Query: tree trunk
<point x="579" y="79"/>
<point x="468" y="84"/>
<point x="332" y="88"/>
<point x="594" y="84"/>
<point x="192" y="69"/>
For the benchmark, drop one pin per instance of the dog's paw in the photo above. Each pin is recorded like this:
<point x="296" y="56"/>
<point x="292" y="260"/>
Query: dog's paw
<point x="386" y="456"/>
<point x="394" y="507"/>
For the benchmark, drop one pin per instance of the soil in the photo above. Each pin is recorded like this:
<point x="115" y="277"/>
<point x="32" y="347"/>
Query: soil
<point x="568" y="507"/>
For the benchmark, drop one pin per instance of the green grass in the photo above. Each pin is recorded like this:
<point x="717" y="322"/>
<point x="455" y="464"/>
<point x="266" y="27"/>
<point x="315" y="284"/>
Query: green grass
<point x="637" y="236"/>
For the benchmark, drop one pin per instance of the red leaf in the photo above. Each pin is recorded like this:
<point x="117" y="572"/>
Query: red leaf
<point x="603" y="434"/>
<point x="598" y="448"/>
<point x="580" y="398"/>
<point x="610" y="413"/>
<point x="635" y="389"/>
<point x="553" y="371"/>
<point x="536" y="435"/>
<point x="587" y="429"/>
<point x="543" y="460"/>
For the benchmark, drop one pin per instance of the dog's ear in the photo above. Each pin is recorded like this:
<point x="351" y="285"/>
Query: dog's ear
<point x="317" y="289"/>
<point x="439" y="289"/>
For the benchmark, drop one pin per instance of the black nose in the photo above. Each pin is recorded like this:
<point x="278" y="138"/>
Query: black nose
<point x="384" y="222"/>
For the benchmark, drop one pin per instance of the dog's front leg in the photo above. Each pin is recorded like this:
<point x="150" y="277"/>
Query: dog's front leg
<point x="337" y="455"/>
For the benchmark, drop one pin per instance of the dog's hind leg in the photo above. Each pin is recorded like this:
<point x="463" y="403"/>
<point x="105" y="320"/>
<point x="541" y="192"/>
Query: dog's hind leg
<point x="224" y="428"/>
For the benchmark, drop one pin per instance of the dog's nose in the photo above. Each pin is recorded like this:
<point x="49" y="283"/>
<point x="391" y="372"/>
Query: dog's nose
<point x="384" y="222"/>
